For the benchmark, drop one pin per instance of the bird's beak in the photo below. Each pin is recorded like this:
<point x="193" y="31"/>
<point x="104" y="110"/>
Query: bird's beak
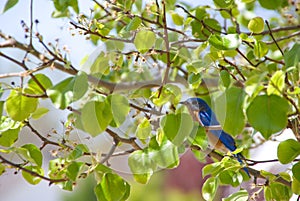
<point x="182" y="102"/>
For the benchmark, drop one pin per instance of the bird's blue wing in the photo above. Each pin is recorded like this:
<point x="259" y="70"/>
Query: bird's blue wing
<point x="208" y="118"/>
<point x="227" y="140"/>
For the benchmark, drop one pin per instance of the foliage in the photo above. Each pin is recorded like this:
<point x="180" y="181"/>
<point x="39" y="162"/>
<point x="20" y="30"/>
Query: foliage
<point x="245" y="66"/>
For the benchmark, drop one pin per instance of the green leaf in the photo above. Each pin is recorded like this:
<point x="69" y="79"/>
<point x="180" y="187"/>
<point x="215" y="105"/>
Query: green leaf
<point x="227" y="42"/>
<point x="209" y="188"/>
<point x="230" y="177"/>
<point x="201" y="13"/>
<point x="200" y="31"/>
<point x="196" y="66"/>
<point x="268" y="114"/>
<point x="143" y="130"/>
<point x="272" y="5"/>
<point x="39" y="112"/>
<point x="166" y="155"/>
<point x="241" y="195"/>
<point x="229" y="110"/>
<point x="169" y="93"/>
<point x="68" y="90"/>
<point x="30" y="178"/>
<point x="96" y="116"/>
<point x="277" y="191"/>
<point x="119" y="107"/>
<point x="62" y="5"/>
<point x="100" y="170"/>
<point x="33" y="154"/>
<point x="260" y="49"/>
<point x="296" y="171"/>
<point x="67" y="185"/>
<point x="133" y="24"/>
<point x="269" y="175"/>
<point x="256" y="25"/>
<point x="225" y="78"/>
<point x="80" y="85"/>
<point x="9" y="137"/>
<point x="57" y="168"/>
<point x="141" y="166"/>
<point x="286" y="176"/>
<point x="276" y="83"/>
<point x="112" y="188"/>
<point x="198" y="137"/>
<point x="223" y="3"/>
<point x="9" y="4"/>
<point x="213" y="169"/>
<point x="74" y="5"/>
<point x="20" y="107"/>
<point x="1" y="107"/>
<point x="2" y="169"/>
<point x="74" y="169"/>
<point x="288" y="150"/>
<point x="253" y="84"/>
<point x="61" y="94"/>
<point x="78" y="151"/>
<point x="177" y="19"/>
<point x="58" y="14"/>
<point x="296" y="186"/>
<point x="43" y="80"/>
<point x="291" y="57"/>
<point x="9" y="131"/>
<point x="177" y="127"/>
<point x="101" y="64"/>
<point x="7" y="123"/>
<point x="144" y="40"/>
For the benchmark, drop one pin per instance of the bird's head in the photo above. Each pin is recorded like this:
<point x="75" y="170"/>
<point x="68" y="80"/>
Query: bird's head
<point x="196" y="104"/>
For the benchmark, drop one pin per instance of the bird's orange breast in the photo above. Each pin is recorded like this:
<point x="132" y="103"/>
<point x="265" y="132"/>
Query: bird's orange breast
<point x="215" y="142"/>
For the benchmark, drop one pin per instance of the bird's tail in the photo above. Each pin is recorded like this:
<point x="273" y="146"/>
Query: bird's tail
<point x="241" y="159"/>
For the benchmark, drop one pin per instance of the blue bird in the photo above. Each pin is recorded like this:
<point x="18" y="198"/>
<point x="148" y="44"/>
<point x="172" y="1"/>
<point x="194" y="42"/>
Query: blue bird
<point x="219" y="139"/>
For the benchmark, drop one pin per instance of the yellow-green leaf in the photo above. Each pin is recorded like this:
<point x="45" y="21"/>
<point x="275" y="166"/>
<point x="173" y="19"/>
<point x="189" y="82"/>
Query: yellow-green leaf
<point x="256" y="25"/>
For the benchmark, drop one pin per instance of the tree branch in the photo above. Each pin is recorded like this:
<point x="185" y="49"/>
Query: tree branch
<point x="17" y="166"/>
<point x="253" y="172"/>
<point x="130" y="141"/>
<point x="44" y="139"/>
<point x="167" y="45"/>
<point x="271" y="34"/>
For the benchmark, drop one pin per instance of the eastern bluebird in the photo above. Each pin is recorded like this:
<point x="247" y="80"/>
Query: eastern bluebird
<point x="202" y="113"/>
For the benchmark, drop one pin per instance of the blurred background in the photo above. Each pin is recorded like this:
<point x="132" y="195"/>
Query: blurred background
<point x="182" y="183"/>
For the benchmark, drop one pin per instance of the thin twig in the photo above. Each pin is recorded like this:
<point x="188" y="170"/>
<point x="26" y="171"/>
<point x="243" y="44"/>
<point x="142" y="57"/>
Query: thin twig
<point x="254" y="162"/>
<point x="130" y="141"/>
<point x="271" y="34"/>
<point x="31" y="24"/>
<point x="111" y="151"/>
<point x="237" y="49"/>
<point x="155" y="112"/>
<point x="283" y="38"/>
<point x="44" y="139"/>
<point x="87" y="31"/>
<point x="35" y="174"/>
<point x="167" y="45"/>
<point x="107" y="11"/>
<point x="194" y="40"/>
<point x="275" y="30"/>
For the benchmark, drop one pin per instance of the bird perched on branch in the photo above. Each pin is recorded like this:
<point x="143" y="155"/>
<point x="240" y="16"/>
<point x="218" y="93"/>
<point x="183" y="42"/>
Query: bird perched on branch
<point x="217" y="138"/>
